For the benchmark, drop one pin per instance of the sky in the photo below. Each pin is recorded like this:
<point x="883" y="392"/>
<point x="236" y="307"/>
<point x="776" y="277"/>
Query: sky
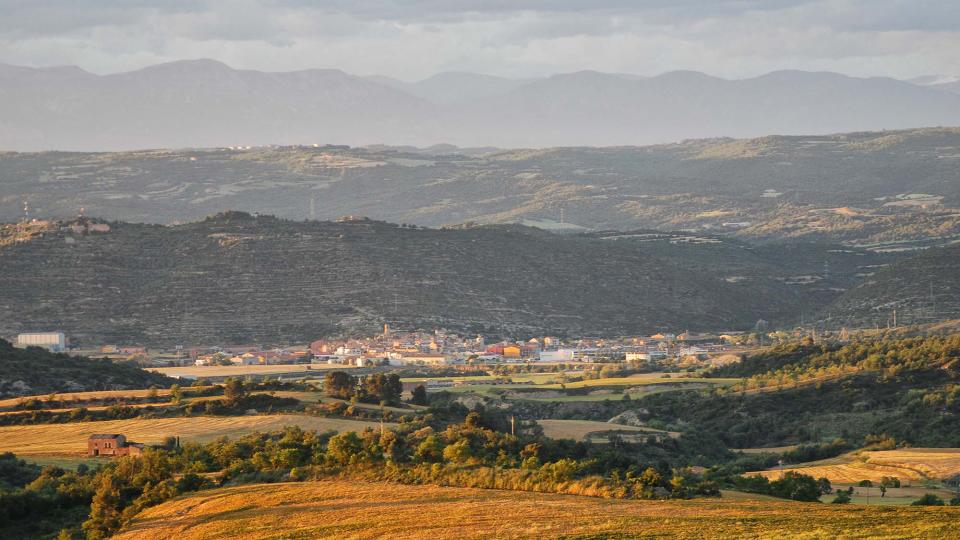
<point x="414" y="39"/>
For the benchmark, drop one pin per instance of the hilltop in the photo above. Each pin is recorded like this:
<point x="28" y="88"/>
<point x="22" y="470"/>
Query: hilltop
<point x="35" y="371"/>
<point x="239" y="278"/>
<point x="369" y="510"/>
<point x="882" y="190"/>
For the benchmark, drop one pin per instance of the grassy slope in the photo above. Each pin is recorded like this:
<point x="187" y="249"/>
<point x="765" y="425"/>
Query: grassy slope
<point x="72" y="438"/>
<point x="337" y="509"/>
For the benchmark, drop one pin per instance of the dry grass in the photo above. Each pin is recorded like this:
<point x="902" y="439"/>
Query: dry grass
<point x="579" y="430"/>
<point x="66" y="439"/>
<point x="906" y="464"/>
<point x="358" y="510"/>
<point x="101" y="394"/>
<point x="197" y="372"/>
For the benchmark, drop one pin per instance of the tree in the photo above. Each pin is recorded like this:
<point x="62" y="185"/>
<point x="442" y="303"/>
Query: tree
<point x="383" y="388"/>
<point x="233" y="390"/>
<point x="419" y="395"/>
<point x="344" y="448"/>
<point x="176" y="394"/>
<point x="431" y="449"/>
<point x="105" y="514"/>
<point x="458" y="452"/>
<point x="928" y="499"/>
<point x="842" y="498"/>
<point x="339" y="384"/>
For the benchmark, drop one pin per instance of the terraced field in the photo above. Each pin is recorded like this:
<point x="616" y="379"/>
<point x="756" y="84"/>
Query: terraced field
<point x="67" y="439"/>
<point x="907" y="464"/>
<point x="358" y="510"/>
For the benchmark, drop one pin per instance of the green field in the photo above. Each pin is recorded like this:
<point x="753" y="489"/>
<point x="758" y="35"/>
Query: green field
<point x="544" y="386"/>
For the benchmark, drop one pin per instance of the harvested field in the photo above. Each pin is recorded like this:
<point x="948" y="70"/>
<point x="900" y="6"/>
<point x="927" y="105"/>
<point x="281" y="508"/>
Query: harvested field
<point x="196" y="372"/>
<point x="359" y="510"/>
<point x="97" y="395"/>
<point x="579" y="430"/>
<point x="907" y="464"/>
<point x="61" y="439"/>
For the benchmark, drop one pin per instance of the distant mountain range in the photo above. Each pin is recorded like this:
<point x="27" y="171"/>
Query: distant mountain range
<point x="204" y="103"/>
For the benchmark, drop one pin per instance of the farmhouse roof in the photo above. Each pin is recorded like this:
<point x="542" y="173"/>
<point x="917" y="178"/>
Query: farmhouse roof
<point x="105" y="436"/>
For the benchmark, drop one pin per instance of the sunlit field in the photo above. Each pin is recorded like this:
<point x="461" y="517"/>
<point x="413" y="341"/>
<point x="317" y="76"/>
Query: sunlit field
<point x="358" y="510"/>
<point x="907" y="464"/>
<point x="66" y="439"/>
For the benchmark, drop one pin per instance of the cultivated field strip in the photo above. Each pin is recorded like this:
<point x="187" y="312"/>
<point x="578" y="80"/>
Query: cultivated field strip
<point x="72" y="438"/>
<point x="906" y="464"/>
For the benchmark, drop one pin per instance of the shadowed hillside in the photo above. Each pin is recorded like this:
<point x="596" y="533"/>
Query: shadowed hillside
<point x="35" y="371"/>
<point x="235" y="278"/>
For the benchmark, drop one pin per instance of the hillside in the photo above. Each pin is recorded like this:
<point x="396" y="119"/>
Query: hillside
<point x="194" y="103"/>
<point x="921" y="289"/>
<point x="875" y="189"/>
<point x="901" y="388"/>
<point x="35" y="371"/>
<point x="332" y="509"/>
<point x="236" y="278"/>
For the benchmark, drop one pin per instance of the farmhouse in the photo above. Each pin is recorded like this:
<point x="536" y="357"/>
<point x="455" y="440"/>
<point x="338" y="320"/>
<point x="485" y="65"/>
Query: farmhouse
<point x="112" y="444"/>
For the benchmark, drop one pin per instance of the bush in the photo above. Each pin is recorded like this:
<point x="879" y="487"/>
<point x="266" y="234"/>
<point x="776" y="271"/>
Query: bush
<point x="928" y="499"/>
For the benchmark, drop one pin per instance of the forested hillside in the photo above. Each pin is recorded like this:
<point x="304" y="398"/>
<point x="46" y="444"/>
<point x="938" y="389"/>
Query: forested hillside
<point x="237" y="278"/>
<point x="34" y="371"/>
<point x="908" y="389"/>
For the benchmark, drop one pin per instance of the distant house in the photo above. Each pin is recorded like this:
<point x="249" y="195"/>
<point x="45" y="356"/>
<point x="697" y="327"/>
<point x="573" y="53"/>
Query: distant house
<point x="112" y="444"/>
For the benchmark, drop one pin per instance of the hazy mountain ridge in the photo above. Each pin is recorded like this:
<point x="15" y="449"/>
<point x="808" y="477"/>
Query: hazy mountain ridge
<point x="206" y="103"/>
<point x="859" y="188"/>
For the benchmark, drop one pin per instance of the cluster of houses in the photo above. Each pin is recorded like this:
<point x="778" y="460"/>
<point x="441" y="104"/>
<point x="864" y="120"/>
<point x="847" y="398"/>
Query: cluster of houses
<point x="423" y="348"/>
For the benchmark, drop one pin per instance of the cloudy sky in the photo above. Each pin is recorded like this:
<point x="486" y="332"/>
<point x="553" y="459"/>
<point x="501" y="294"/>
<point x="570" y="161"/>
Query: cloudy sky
<point x="416" y="38"/>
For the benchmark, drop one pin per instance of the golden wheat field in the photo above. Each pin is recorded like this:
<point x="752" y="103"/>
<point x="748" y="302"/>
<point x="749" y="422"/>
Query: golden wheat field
<point x="99" y="394"/>
<point x="242" y="371"/>
<point x="71" y="438"/>
<point x="579" y="429"/>
<point x="905" y="463"/>
<point x="359" y="510"/>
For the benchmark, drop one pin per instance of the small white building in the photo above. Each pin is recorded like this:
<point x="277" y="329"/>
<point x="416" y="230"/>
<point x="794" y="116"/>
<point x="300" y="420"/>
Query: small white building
<point x="637" y="357"/>
<point x="54" y="341"/>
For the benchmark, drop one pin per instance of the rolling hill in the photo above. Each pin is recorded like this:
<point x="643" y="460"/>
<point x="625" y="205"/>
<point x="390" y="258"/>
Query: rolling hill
<point x="883" y="190"/>
<point x="206" y="103"/>
<point x="35" y="371"/>
<point x="239" y="278"/>
<point x="332" y="509"/>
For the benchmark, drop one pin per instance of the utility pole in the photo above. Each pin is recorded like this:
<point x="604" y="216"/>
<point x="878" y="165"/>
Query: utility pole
<point x="513" y="426"/>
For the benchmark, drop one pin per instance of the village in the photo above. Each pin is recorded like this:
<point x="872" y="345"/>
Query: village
<point x="421" y="348"/>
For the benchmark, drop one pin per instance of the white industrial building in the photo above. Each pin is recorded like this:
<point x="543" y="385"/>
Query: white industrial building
<point x="54" y="341"/>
